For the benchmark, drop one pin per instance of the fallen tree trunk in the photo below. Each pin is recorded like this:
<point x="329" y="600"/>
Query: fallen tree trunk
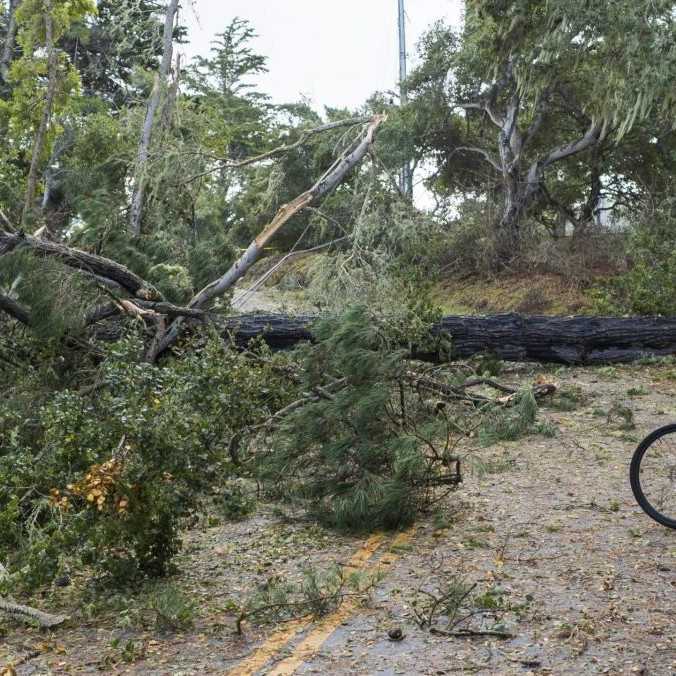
<point x="512" y="337"/>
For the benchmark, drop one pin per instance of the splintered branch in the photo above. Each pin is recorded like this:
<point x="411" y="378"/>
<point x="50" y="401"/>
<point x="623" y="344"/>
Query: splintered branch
<point x="333" y="177"/>
<point x="460" y="392"/>
<point x="305" y="136"/>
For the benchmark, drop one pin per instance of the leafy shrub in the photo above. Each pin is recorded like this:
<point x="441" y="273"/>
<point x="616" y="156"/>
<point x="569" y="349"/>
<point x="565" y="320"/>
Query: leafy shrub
<point x="234" y="502"/>
<point x="106" y="477"/>
<point x="649" y="286"/>
<point x="508" y="424"/>
<point x="173" y="609"/>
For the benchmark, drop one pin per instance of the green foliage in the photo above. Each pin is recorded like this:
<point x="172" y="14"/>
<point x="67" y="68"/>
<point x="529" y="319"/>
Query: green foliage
<point x="630" y="41"/>
<point x="107" y="477"/>
<point x="22" y="111"/>
<point x="366" y="453"/>
<point x="566" y="399"/>
<point x="57" y="298"/>
<point x="318" y="593"/>
<point x="649" y="286"/>
<point x="509" y="423"/>
<point x="234" y="501"/>
<point x="174" y="610"/>
<point x="122" y="39"/>
<point x="173" y="281"/>
<point x="621" y="415"/>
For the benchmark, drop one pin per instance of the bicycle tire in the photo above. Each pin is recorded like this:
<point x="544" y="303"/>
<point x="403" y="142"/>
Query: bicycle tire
<point x="635" y="475"/>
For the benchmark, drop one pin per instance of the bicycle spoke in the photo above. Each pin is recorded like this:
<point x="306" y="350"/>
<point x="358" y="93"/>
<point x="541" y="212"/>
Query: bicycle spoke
<point x="658" y="475"/>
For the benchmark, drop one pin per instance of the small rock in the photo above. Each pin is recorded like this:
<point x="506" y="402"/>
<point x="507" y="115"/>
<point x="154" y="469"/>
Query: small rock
<point x="395" y="634"/>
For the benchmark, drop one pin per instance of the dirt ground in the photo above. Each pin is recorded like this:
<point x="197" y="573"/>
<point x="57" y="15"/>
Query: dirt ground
<point x="584" y="581"/>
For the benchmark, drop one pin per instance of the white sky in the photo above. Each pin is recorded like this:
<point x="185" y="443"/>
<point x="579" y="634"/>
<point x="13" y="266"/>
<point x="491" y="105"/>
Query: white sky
<point x="335" y="52"/>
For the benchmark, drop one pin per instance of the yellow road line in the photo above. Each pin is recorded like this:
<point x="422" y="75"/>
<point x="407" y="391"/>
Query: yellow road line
<point x="272" y="645"/>
<point x="311" y="644"/>
<point x="280" y="638"/>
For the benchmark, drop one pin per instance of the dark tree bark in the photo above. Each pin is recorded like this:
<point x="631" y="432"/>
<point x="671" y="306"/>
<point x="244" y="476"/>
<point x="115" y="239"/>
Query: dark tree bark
<point x="14" y="310"/>
<point x="103" y="269"/>
<point x="512" y="337"/>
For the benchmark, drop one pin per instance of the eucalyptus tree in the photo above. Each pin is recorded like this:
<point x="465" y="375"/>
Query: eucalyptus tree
<point x="530" y="89"/>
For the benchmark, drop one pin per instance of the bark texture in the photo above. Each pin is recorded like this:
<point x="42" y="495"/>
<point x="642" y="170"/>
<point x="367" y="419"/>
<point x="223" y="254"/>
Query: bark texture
<point x="103" y="269"/>
<point x="19" y="611"/>
<point x="512" y="337"/>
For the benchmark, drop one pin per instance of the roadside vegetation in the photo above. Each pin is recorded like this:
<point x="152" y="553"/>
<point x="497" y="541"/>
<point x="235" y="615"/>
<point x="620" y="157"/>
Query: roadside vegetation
<point x="144" y="200"/>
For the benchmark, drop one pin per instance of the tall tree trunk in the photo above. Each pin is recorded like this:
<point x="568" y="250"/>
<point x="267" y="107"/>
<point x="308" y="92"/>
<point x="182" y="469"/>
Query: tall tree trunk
<point x="56" y="212"/>
<point x="512" y="209"/>
<point x="10" y="38"/>
<point x="172" y="97"/>
<point x="40" y="137"/>
<point x="136" y="212"/>
<point x="588" y="215"/>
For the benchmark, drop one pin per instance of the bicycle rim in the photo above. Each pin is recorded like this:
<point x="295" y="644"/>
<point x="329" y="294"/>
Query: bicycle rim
<point x="653" y="475"/>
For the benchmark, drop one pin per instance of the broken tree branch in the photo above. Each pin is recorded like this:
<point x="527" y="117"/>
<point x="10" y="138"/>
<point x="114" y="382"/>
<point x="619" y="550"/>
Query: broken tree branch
<point x="328" y="182"/>
<point x="237" y="302"/>
<point x="18" y="611"/>
<point x="305" y="136"/>
<point x="14" y="310"/>
<point x="81" y="260"/>
<point x="472" y="633"/>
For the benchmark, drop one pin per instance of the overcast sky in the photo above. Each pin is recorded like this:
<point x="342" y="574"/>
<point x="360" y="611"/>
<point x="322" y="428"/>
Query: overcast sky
<point x="335" y="52"/>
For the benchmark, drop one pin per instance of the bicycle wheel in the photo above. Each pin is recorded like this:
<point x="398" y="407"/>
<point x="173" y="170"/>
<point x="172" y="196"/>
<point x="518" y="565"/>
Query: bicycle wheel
<point x="653" y="475"/>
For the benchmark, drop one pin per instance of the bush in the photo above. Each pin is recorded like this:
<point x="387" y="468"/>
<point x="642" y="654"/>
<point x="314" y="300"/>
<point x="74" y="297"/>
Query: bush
<point x="106" y="478"/>
<point x="509" y="424"/>
<point x="649" y="286"/>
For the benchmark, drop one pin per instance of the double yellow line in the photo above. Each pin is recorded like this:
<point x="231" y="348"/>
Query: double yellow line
<point x="311" y="643"/>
